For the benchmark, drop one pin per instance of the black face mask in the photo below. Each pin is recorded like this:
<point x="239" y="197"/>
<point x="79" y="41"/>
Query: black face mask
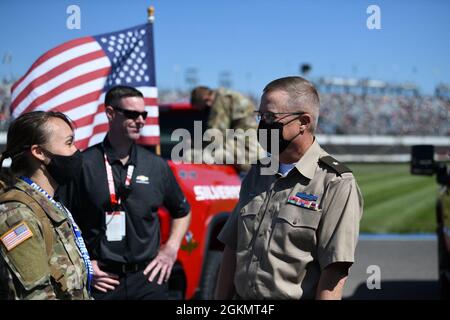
<point x="275" y="126"/>
<point x="64" y="168"/>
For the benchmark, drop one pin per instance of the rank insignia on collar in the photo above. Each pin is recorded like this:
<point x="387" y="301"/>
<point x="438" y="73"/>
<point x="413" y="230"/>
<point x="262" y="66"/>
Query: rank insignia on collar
<point x="304" y="200"/>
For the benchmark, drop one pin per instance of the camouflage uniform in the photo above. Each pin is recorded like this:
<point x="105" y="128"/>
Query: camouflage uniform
<point x="28" y="271"/>
<point x="231" y="110"/>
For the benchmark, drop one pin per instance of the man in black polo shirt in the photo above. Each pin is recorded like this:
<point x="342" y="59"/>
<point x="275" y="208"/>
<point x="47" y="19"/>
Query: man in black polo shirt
<point x="115" y="203"/>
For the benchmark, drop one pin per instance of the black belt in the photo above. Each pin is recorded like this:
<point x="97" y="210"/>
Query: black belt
<point x="122" y="268"/>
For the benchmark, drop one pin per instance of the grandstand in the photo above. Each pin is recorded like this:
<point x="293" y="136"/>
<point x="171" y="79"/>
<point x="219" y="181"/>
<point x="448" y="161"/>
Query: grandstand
<point x="361" y="120"/>
<point x="5" y="100"/>
<point x="369" y="120"/>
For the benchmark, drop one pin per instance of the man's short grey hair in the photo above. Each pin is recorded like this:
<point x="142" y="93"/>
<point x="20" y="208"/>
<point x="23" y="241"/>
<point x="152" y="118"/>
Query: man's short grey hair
<point x="303" y="96"/>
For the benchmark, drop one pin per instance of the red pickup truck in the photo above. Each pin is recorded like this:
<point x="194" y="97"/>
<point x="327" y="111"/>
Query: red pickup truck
<point x="212" y="191"/>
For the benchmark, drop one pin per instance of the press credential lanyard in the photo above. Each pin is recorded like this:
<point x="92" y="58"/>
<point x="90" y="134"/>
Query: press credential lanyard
<point x="115" y="220"/>
<point x="115" y="201"/>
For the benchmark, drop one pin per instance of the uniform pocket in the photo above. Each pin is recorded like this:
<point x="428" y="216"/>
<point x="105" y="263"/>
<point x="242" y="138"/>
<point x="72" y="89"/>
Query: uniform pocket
<point x="247" y="220"/>
<point x="294" y="230"/>
<point x="299" y="217"/>
<point x="28" y="261"/>
<point x="67" y="260"/>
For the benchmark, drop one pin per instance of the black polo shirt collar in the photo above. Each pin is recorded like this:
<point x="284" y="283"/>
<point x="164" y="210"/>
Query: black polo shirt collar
<point x="113" y="158"/>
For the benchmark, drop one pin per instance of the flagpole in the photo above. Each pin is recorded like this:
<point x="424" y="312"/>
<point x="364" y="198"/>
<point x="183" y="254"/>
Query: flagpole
<point x="151" y="19"/>
<point x="151" y="14"/>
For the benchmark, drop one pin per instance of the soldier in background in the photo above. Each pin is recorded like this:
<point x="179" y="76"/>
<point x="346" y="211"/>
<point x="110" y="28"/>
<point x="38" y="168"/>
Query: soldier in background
<point x="42" y="253"/>
<point x="229" y="110"/>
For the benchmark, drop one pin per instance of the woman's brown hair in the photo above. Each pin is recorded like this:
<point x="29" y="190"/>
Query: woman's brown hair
<point x="27" y="130"/>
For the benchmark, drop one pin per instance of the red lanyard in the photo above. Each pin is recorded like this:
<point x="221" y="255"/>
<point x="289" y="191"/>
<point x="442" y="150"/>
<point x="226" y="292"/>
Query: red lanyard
<point x="115" y="201"/>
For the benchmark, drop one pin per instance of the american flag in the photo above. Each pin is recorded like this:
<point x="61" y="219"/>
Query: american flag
<point x="74" y="77"/>
<point x="16" y="236"/>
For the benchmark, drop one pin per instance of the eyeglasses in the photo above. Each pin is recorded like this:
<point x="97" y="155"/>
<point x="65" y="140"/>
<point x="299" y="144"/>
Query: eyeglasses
<point x="130" y="114"/>
<point x="270" y="117"/>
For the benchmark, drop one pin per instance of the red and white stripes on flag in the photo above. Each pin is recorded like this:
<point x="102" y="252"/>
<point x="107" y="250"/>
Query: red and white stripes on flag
<point x="74" y="77"/>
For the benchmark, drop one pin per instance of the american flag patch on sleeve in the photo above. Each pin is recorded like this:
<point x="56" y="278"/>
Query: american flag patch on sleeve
<point x="16" y="235"/>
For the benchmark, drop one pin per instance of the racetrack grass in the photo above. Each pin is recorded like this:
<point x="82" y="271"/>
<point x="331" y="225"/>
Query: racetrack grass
<point x="394" y="200"/>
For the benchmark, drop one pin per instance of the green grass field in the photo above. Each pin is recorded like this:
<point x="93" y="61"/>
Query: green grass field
<point x="394" y="200"/>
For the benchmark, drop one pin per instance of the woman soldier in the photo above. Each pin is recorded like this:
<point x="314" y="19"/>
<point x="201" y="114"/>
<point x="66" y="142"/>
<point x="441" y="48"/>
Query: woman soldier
<point x="43" y="253"/>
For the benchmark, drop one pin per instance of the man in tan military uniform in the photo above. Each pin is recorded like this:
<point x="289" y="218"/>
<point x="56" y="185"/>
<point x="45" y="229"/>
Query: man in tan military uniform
<point x="39" y="261"/>
<point x="293" y="233"/>
<point x="230" y="110"/>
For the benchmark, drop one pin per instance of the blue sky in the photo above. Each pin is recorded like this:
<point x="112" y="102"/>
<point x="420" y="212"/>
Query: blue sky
<point x="256" y="41"/>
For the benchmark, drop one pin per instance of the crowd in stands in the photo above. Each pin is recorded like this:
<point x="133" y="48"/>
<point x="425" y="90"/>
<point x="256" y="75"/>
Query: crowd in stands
<point x="5" y="101"/>
<point x="371" y="114"/>
<point x="172" y="96"/>
<point x="341" y="113"/>
<point x="347" y="113"/>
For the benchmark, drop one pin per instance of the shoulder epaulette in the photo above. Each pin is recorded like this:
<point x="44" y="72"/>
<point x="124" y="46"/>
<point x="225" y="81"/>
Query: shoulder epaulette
<point x="337" y="166"/>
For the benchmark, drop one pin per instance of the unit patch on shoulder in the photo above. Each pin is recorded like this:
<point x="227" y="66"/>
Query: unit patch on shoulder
<point x="16" y="235"/>
<point x="337" y="166"/>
